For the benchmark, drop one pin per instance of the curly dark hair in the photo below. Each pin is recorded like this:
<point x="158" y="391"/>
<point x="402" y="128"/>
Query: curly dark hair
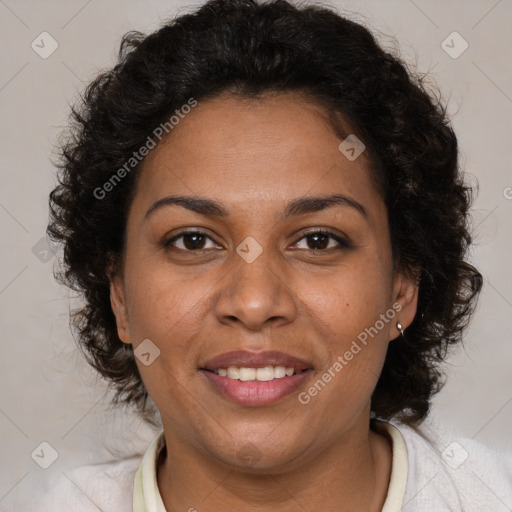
<point x="249" y="48"/>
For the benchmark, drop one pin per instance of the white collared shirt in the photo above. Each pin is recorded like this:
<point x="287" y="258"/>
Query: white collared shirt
<point x="147" y="498"/>
<point x="428" y="474"/>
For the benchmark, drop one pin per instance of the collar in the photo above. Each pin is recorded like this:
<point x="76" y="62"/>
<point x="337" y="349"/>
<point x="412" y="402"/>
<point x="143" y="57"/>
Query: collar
<point x="147" y="498"/>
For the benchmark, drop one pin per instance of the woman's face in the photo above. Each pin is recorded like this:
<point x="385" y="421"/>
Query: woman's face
<point x="261" y="278"/>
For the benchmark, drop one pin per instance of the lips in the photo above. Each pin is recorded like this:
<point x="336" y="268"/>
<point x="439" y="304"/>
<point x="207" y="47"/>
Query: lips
<point x="255" y="392"/>
<point x="246" y="359"/>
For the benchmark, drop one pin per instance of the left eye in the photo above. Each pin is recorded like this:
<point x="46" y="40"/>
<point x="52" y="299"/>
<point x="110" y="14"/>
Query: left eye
<point x="320" y="240"/>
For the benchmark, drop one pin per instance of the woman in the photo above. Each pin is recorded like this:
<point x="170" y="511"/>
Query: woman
<point x="266" y="217"/>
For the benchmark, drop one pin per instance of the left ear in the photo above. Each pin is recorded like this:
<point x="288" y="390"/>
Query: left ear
<point x="405" y="293"/>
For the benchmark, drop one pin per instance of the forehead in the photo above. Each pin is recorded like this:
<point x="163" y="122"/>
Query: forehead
<point x="243" y="151"/>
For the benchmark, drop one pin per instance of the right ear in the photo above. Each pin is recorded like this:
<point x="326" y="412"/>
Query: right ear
<point x="118" y="303"/>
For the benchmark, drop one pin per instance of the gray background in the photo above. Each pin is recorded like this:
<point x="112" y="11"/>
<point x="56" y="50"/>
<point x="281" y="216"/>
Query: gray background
<point x="48" y="393"/>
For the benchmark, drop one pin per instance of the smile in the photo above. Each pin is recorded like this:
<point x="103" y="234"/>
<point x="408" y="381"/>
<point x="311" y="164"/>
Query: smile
<point x="263" y="374"/>
<point x="255" y="378"/>
<point x="255" y="387"/>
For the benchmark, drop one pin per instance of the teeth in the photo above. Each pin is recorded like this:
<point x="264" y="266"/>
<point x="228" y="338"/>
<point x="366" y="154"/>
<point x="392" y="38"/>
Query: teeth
<point x="247" y="373"/>
<point x="279" y="372"/>
<point x="263" y="374"/>
<point x="233" y="373"/>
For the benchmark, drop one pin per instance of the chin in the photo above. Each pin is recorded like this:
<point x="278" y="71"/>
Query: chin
<point x="254" y="456"/>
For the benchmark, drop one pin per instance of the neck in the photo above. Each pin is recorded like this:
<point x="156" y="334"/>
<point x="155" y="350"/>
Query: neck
<point x="350" y="474"/>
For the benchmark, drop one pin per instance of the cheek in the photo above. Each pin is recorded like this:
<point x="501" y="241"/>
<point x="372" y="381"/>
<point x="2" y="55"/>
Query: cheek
<point x="351" y="299"/>
<point x="162" y="302"/>
<point x="355" y="341"/>
<point x="170" y="313"/>
<point x="348" y="311"/>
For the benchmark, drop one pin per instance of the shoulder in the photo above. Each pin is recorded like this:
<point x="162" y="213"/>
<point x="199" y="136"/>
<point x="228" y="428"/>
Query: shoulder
<point x="105" y="486"/>
<point x="455" y="473"/>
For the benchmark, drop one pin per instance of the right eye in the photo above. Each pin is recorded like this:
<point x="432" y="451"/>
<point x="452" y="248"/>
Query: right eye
<point x="192" y="241"/>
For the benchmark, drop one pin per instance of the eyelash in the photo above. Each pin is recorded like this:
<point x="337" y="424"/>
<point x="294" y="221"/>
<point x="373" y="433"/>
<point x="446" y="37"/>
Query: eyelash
<point x="343" y="244"/>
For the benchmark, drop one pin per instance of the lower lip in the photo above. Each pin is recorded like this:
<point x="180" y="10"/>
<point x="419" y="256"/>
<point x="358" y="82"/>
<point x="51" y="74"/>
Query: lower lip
<point x="254" y="392"/>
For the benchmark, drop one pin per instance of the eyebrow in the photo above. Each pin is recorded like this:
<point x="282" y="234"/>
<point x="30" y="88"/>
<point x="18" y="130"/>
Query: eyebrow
<point x="300" y="206"/>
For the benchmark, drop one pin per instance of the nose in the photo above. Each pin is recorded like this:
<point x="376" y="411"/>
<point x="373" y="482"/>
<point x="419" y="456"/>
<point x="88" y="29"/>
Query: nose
<point x="256" y="295"/>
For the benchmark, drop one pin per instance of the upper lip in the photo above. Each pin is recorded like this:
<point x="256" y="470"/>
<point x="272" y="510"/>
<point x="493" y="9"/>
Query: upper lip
<point x="246" y="359"/>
